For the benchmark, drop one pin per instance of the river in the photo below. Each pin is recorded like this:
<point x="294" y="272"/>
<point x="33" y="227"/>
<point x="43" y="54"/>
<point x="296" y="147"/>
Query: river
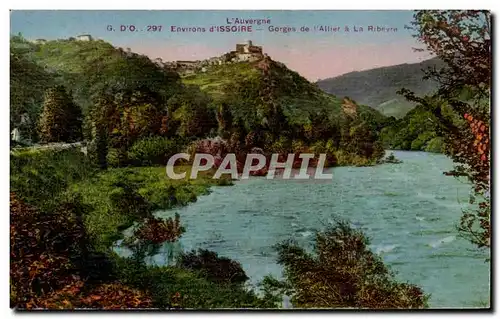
<point x="408" y="210"/>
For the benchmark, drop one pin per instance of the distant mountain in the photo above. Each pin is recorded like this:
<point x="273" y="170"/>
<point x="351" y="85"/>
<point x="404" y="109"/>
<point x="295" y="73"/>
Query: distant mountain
<point x="377" y="87"/>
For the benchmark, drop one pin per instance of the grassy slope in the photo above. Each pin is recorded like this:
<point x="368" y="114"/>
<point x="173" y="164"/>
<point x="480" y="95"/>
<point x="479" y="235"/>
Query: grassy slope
<point x="216" y="77"/>
<point x="298" y="96"/>
<point x="105" y="222"/>
<point x="71" y="56"/>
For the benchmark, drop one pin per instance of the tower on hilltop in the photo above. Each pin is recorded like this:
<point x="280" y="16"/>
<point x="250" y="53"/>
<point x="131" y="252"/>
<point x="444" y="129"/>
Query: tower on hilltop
<point x="248" y="48"/>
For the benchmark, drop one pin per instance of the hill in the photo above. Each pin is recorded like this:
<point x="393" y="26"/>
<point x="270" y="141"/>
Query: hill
<point x="84" y="68"/>
<point x="280" y="111"/>
<point x="377" y="87"/>
<point x="252" y="103"/>
<point x="248" y="84"/>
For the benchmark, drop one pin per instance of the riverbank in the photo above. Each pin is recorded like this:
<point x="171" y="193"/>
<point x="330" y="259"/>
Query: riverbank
<point x="114" y="199"/>
<point x="53" y="187"/>
<point x="244" y="222"/>
<point x="408" y="210"/>
<point x="118" y="195"/>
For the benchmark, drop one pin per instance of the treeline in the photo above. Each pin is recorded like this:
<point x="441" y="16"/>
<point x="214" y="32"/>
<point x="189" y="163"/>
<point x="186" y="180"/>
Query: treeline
<point x="421" y="128"/>
<point x="417" y="131"/>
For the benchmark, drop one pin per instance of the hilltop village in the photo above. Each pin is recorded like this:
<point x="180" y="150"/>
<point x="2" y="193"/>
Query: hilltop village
<point x="246" y="52"/>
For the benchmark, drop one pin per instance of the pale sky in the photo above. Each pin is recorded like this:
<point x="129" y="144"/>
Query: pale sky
<point x="314" y="54"/>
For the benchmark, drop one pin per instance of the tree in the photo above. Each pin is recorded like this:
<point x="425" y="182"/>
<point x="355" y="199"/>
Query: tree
<point x="61" y="119"/>
<point x="224" y="120"/>
<point x="118" y="119"/>
<point x="462" y="39"/>
<point x="28" y="83"/>
<point x="213" y="267"/>
<point x="341" y="273"/>
<point x="191" y="110"/>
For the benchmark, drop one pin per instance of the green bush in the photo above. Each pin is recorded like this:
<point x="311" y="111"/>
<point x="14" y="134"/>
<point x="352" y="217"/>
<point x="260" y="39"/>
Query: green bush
<point x="175" y="287"/>
<point x="435" y="145"/>
<point x="343" y="273"/>
<point x="348" y="159"/>
<point x="39" y="177"/>
<point x="153" y="150"/>
<point x="419" y="143"/>
<point x="213" y="267"/>
<point x="113" y="157"/>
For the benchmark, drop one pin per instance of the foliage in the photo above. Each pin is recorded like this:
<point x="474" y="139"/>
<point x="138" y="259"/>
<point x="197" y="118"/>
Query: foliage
<point x="390" y="159"/>
<point x="435" y="145"/>
<point x="61" y="119"/>
<point x="110" y="296"/>
<point x="49" y="264"/>
<point x="413" y="132"/>
<point x="120" y="118"/>
<point x="153" y="150"/>
<point x="213" y="267"/>
<point x="51" y="255"/>
<point x="90" y="67"/>
<point x="191" y="111"/>
<point x="175" y="287"/>
<point x="126" y="98"/>
<point x="28" y="82"/>
<point x="476" y="224"/>
<point x="462" y="39"/>
<point x="119" y="197"/>
<point x="343" y="273"/>
<point x="37" y="265"/>
<point x="40" y="177"/>
<point x="156" y="230"/>
<point x="268" y="106"/>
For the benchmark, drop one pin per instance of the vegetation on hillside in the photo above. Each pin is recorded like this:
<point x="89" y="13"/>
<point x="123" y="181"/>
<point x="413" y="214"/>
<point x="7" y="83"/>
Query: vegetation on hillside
<point x="417" y="131"/>
<point x="378" y="87"/>
<point x="61" y="119"/>
<point x="268" y="106"/>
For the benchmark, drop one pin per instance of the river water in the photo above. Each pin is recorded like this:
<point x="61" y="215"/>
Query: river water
<point x="409" y="211"/>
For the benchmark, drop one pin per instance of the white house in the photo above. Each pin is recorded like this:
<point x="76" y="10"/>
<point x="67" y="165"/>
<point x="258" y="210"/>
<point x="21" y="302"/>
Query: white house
<point x="84" y="37"/>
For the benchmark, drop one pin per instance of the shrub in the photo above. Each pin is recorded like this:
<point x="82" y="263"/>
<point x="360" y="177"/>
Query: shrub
<point x="213" y="267"/>
<point x="153" y="150"/>
<point x="61" y="118"/>
<point x="39" y="177"/>
<point x="343" y="273"/>
<point x="109" y="296"/>
<point x="47" y="250"/>
<point x="176" y="287"/>
<point x="435" y="145"/>
<point x="344" y="158"/>
<point x="282" y="145"/>
<point x="298" y="146"/>
<point x="158" y="231"/>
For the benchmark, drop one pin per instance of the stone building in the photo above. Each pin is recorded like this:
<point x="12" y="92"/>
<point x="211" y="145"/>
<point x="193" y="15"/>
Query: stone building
<point x="246" y="52"/>
<point x="248" y="48"/>
<point x="84" y="37"/>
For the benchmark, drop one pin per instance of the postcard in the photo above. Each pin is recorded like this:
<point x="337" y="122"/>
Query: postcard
<point x="207" y="160"/>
